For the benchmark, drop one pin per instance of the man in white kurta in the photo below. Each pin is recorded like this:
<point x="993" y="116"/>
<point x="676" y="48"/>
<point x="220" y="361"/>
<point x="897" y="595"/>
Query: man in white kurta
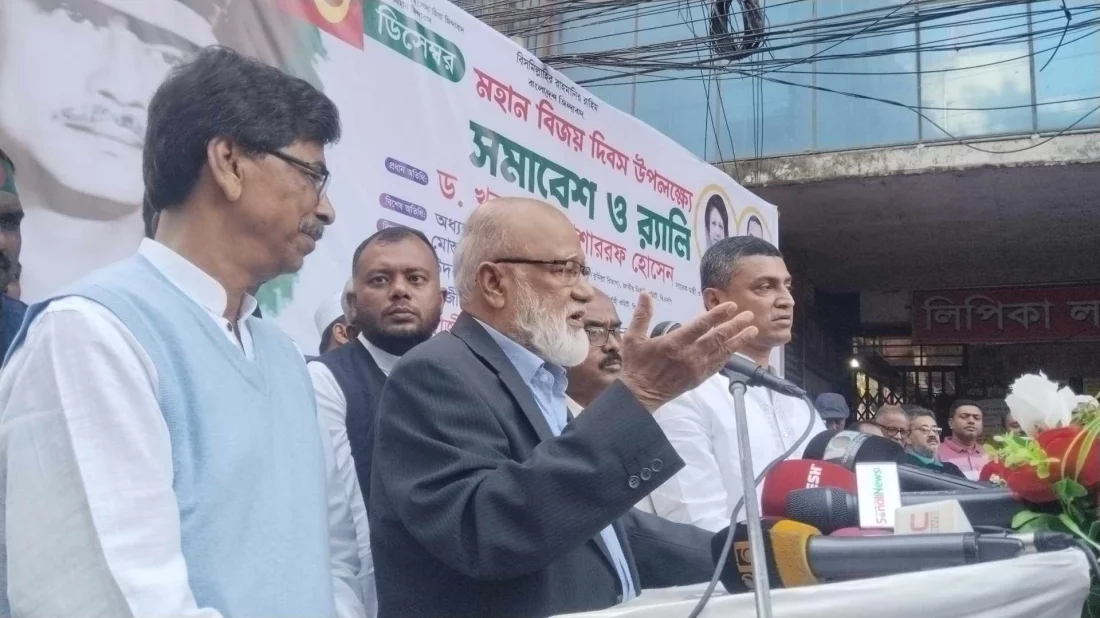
<point x="700" y="423"/>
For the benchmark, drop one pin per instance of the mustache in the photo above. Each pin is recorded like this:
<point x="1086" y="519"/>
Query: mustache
<point x="312" y="228"/>
<point x="611" y="358"/>
<point x="96" y="114"/>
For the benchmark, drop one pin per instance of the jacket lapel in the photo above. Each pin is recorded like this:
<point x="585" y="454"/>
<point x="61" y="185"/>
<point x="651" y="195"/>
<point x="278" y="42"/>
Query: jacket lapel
<point x="481" y="343"/>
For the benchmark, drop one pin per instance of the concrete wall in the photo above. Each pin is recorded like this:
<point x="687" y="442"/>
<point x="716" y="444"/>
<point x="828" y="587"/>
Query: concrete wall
<point x="1081" y="147"/>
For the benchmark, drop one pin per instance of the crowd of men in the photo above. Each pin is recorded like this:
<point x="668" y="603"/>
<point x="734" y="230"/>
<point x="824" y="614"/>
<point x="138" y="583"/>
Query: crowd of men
<point x="165" y="451"/>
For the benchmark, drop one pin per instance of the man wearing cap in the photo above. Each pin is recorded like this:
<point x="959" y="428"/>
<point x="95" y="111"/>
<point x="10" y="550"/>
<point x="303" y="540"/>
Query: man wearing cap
<point x="833" y="410"/>
<point x="395" y="304"/>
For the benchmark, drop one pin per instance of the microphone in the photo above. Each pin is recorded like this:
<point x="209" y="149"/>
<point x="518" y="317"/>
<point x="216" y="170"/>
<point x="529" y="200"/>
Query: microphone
<point x="829" y="509"/>
<point x="663" y="328"/>
<point x="794" y="474"/>
<point x="797" y="555"/>
<point x="758" y="376"/>
<point x="851" y="531"/>
<point x="848" y="448"/>
<point x="754" y="374"/>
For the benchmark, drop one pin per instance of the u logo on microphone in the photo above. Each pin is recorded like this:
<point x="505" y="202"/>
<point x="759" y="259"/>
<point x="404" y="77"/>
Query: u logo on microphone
<point x="743" y="555"/>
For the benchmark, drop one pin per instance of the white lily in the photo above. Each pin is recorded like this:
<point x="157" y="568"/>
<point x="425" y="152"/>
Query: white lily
<point x="1038" y="404"/>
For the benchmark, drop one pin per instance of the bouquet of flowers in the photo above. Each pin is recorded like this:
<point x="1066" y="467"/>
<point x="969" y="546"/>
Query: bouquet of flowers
<point x="1056" y="460"/>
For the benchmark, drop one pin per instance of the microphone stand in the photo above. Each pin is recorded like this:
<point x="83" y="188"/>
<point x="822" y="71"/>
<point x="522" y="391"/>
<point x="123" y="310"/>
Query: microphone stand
<point x="761" y="588"/>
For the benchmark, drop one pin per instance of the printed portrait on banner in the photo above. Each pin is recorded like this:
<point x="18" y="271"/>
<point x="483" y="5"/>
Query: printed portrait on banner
<point x="76" y="77"/>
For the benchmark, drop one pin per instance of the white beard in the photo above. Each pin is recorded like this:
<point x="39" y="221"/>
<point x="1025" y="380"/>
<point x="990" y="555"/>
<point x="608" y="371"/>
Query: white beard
<point x="550" y="335"/>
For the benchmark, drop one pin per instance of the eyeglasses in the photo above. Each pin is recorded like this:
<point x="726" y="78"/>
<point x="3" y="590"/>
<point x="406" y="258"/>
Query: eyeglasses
<point x="893" y="431"/>
<point x="935" y="430"/>
<point x="317" y="172"/>
<point x="570" y="270"/>
<point x="599" y="335"/>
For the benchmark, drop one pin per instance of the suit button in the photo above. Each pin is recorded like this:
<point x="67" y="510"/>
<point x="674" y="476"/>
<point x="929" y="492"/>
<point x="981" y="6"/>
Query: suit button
<point x="646" y="474"/>
<point x="657" y="465"/>
<point x="633" y="482"/>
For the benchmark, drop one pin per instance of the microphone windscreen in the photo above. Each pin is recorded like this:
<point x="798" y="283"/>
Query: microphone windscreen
<point x="815" y="448"/>
<point x="853" y="531"/>
<point x="789" y="541"/>
<point x="847" y="448"/>
<point x="825" y="508"/>
<point x="876" y="450"/>
<point x="730" y="577"/>
<point x="793" y="474"/>
<point x="663" y="328"/>
<point x="785" y="545"/>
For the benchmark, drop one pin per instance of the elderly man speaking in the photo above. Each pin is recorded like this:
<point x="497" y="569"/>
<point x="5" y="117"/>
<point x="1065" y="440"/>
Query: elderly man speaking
<point x="483" y="501"/>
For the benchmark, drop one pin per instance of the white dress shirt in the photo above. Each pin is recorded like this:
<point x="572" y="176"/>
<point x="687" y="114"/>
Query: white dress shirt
<point x="78" y="402"/>
<point x="700" y="425"/>
<point x="332" y="415"/>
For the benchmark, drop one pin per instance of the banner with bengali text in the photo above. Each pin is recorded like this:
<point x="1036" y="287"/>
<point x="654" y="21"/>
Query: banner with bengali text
<point x="440" y="114"/>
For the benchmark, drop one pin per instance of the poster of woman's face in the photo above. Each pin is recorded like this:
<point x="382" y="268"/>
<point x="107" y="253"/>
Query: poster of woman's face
<point x="755" y="228"/>
<point x="716" y="220"/>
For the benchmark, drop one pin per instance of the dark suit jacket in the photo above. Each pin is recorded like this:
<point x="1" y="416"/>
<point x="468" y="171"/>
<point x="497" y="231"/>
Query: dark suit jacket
<point x="477" y="509"/>
<point x="11" y="319"/>
<point x="361" y="380"/>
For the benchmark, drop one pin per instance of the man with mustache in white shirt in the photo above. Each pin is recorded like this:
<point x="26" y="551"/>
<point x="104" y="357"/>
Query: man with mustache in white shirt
<point x="700" y="423"/>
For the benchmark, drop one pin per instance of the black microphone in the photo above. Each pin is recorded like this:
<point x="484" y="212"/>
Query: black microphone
<point x="753" y="374"/>
<point x="848" y="448"/>
<point x="797" y="555"/>
<point x="830" y="508"/>
<point x="663" y="328"/>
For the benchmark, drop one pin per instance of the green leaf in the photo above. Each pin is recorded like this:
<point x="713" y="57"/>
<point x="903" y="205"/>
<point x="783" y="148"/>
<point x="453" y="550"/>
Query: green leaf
<point x="1094" y="531"/>
<point x="1091" y="432"/>
<point x="1069" y="490"/>
<point x="1030" y="521"/>
<point x="1075" y="529"/>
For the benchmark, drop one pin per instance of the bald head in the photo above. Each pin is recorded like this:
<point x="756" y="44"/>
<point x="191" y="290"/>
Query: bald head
<point x="506" y="227"/>
<point x="499" y="228"/>
<point x="519" y="268"/>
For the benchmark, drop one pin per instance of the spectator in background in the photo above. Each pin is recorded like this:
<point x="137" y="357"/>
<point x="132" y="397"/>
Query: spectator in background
<point x="394" y="304"/>
<point x="332" y="323"/>
<point x="833" y="410"/>
<point x="751" y="273"/>
<point x="11" y="241"/>
<point x="924" y="440"/>
<point x="161" y="457"/>
<point x="604" y="362"/>
<point x="867" y="427"/>
<point x="963" y="447"/>
<point x="1011" y="425"/>
<point x="894" y="423"/>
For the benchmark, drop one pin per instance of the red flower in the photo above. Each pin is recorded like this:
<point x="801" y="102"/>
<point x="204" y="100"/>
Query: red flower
<point x="1024" y="481"/>
<point x="1067" y="445"/>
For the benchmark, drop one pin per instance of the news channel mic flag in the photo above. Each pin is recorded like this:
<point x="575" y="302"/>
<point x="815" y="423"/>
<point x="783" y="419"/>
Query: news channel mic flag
<point x="437" y="108"/>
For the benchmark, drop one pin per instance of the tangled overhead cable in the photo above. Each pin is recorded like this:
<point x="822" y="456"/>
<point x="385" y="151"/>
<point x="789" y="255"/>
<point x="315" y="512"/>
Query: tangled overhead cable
<point x="727" y="44"/>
